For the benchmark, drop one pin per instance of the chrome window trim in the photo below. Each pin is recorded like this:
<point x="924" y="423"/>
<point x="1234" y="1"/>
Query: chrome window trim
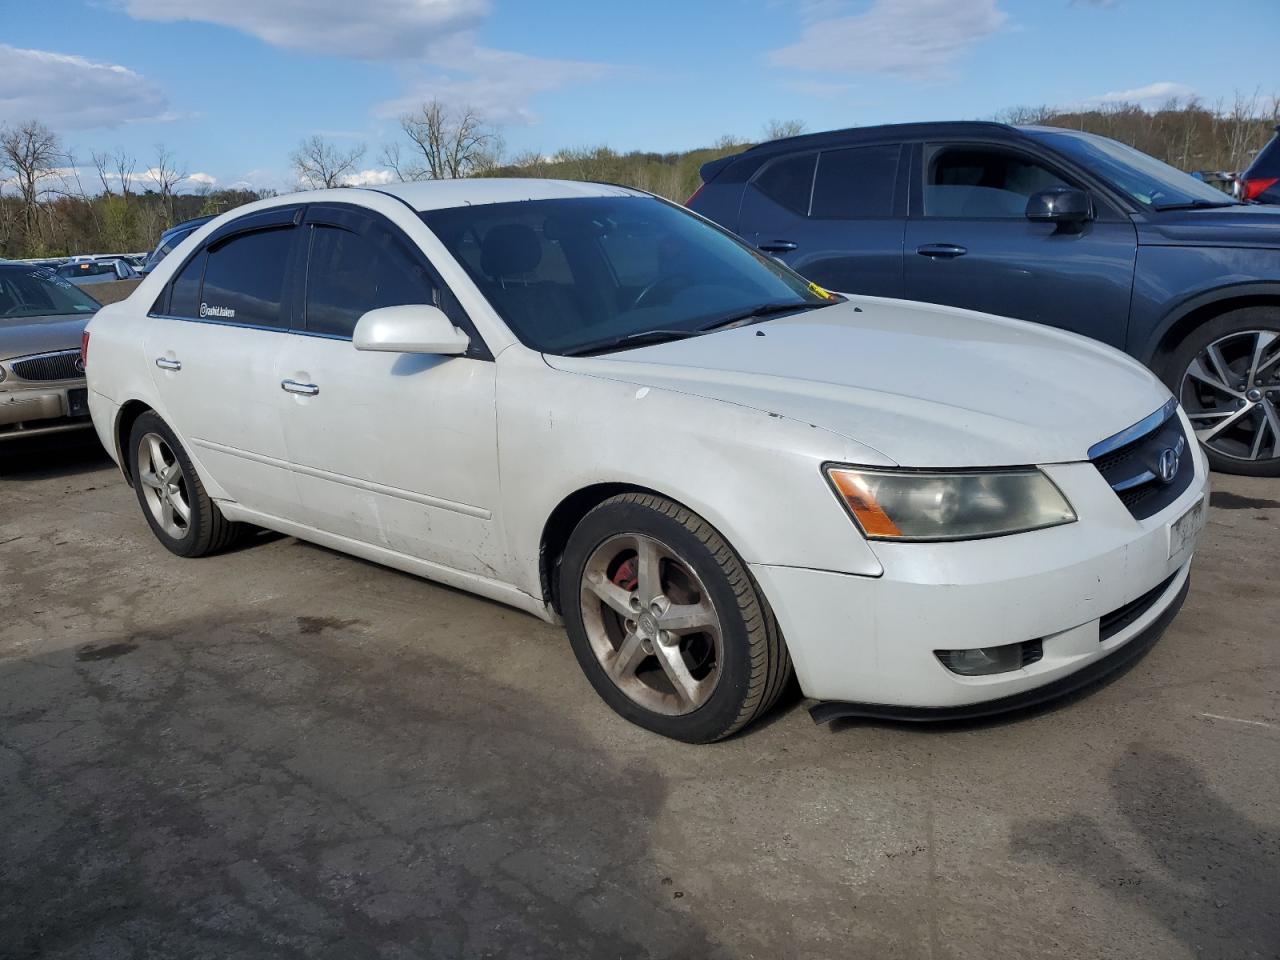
<point x="1135" y="432"/>
<point x="249" y="326"/>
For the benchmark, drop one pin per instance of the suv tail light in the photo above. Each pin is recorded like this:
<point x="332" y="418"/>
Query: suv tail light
<point x="84" y="351"/>
<point x="694" y="195"/>
<point x="1256" y="187"/>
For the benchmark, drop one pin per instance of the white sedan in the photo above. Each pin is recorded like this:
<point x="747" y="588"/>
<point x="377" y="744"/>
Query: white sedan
<point x="590" y="404"/>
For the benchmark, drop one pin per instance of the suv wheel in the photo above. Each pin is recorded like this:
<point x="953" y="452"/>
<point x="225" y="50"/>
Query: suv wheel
<point x="1226" y="375"/>
<point x="172" y="497"/>
<point x="666" y="622"/>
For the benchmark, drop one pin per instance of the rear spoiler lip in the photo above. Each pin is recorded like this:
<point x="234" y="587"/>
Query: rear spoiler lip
<point x="711" y="169"/>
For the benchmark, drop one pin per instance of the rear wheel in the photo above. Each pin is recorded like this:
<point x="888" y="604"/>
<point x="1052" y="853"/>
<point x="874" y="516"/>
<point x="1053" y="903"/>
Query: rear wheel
<point x="666" y="622"/>
<point x="1226" y="375"/>
<point x="169" y="490"/>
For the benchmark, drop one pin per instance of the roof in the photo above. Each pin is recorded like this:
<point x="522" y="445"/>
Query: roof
<point x="438" y="194"/>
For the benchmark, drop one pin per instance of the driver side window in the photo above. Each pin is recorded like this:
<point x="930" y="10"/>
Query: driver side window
<point x="975" y="183"/>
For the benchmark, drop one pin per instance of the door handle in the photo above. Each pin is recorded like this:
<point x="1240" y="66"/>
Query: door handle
<point x="945" y="251"/>
<point x="164" y="363"/>
<point x="778" y="246"/>
<point x="302" y="389"/>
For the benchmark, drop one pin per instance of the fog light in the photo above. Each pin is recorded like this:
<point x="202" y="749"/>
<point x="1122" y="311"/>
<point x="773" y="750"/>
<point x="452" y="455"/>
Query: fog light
<point x="984" y="661"/>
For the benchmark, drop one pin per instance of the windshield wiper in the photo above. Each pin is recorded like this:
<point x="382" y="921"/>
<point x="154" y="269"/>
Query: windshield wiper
<point x="1196" y="205"/>
<point x="758" y="313"/>
<point x="630" y="340"/>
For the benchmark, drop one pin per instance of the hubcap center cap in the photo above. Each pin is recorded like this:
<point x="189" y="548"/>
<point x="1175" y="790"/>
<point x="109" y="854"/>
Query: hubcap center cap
<point x="648" y="624"/>
<point x="1254" y="395"/>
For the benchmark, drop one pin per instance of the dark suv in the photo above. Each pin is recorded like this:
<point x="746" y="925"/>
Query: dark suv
<point x="1045" y="224"/>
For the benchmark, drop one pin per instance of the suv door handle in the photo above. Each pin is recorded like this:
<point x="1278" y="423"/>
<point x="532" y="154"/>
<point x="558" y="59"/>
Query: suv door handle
<point x="164" y="363"/>
<point x="946" y="251"/>
<point x="303" y="389"/>
<point x="778" y="246"/>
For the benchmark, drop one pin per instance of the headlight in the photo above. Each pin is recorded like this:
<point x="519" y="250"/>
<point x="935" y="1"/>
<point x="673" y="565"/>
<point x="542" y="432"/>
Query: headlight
<point x="3" y="373"/>
<point x="921" y="505"/>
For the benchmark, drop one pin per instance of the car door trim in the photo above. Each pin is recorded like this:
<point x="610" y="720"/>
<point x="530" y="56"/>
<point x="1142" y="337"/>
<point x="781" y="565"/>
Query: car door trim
<point x="453" y="506"/>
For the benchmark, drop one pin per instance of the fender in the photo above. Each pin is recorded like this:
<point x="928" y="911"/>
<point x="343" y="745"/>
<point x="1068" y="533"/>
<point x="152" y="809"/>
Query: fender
<point x="1148" y="350"/>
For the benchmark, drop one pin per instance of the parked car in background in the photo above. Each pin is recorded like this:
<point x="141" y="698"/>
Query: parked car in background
<point x="170" y="239"/>
<point x="1043" y="224"/>
<point x="1261" y="181"/>
<point x="586" y="402"/>
<point x="42" y="321"/>
<point x="102" y="270"/>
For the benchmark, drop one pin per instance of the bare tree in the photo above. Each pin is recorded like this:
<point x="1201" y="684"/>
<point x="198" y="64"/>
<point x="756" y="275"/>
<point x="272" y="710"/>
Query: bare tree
<point x="166" y="174"/>
<point x="32" y="151"/>
<point x="321" y="164"/>
<point x="777" y="129"/>
<point x="444" y="144"/>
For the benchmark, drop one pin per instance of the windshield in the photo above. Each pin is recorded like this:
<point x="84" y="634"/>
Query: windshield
<point x="578" y="274"/>
<point x="1147" y="180"/>
<point x="39" y="292"/>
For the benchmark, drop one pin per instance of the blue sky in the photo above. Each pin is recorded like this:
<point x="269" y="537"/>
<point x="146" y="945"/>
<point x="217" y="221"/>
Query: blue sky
<point x="231" y="86"/>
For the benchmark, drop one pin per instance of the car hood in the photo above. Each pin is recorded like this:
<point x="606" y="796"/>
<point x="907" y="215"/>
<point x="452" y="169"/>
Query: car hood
<point x="21" y="337"/>
<point x="925" y="386"/>
<point x="1245" y="225"/>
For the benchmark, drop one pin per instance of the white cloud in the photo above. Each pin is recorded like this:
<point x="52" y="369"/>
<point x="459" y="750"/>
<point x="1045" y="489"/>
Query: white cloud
<point x="498" y="84"/>
<point x="71" y="93"/>
<point x="369" y="178"/>
<point x="1153" y="94"/>
<point x="370" y="29"/>
<point x="203" y="179"/>
<point x="917" y="39"/>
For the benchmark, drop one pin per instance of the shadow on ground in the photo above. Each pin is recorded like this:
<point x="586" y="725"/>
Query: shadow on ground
<point x="55" y="455"/>
<point x="1216" y="886"/>
<point x="264" y="787"/>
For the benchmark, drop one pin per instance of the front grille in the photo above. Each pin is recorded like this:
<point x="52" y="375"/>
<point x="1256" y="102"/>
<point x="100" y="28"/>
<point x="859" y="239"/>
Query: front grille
<point x="1118" y="619"/>
<point x="1132" y="466"/>
<point x="50" y="366"/>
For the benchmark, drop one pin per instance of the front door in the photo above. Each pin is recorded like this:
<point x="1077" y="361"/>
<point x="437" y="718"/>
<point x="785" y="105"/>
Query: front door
<point x="969" y="244"/>
<point x="394" y="450"/>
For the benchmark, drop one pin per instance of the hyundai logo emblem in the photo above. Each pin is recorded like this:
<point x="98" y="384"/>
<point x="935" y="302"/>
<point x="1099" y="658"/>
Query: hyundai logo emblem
<point x="1169" y="460"/>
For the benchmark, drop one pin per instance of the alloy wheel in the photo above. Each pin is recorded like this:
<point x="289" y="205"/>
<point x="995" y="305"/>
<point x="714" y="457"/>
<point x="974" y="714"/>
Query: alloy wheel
<point x="651" y="624"/>
<point x="1231" y="394"/>
<point x="164" y="485"/>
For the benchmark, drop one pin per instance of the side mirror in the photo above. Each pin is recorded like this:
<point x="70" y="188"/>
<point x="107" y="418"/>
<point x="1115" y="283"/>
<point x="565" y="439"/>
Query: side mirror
<point x="1059" y="205"/>
<point x="413" y="328"/>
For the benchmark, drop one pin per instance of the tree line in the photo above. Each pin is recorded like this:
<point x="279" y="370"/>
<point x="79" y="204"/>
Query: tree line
<point x="48" y="209"/>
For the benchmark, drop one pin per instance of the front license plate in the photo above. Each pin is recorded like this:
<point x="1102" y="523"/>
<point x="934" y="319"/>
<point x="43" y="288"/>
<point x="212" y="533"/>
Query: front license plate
<point x="1184" y="531"/>
<point x="78" y="402"/>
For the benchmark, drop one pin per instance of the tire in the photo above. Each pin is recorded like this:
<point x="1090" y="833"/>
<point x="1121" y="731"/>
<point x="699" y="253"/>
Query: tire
<point x="1192" y="373"/>
<point x="205" y="530"/>
<point x="721" y="630"/>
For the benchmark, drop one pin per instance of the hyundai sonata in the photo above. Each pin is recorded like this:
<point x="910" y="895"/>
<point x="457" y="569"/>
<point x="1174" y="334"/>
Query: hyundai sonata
<point x="593" y="405"/>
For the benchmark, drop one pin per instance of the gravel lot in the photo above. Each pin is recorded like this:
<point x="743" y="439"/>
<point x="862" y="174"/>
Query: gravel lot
<point x="285" y="752"/>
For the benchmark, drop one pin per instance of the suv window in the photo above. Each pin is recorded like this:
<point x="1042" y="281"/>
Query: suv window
<point x="244" y="279"/>
<point x="982" y="182"/>
<point x="350" y="273"/>
<point x="788" y="181"/>
<point x="856" y="183"/>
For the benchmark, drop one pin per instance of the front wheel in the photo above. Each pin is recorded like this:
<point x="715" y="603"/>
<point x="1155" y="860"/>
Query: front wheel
<point x="1226" y="375"/>
<point x="667" y="623"/>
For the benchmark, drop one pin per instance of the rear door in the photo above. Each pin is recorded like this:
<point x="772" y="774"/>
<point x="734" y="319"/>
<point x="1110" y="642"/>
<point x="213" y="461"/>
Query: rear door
<point x="394" y="450"/>
<point x="215" y="342"/>
<point x="835" y="216"/>
<point x="969" y="243"/>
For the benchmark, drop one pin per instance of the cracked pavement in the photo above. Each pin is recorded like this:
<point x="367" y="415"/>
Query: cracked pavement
<point x="285" y="752"/>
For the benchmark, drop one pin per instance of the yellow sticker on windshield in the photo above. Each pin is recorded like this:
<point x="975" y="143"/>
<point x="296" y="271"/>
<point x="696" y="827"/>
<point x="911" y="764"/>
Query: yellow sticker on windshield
<point x="824" y="294"/>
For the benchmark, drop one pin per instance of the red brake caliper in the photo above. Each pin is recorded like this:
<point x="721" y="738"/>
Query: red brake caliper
<point x="625" y="576"/>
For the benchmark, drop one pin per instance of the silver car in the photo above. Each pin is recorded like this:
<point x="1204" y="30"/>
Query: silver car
<point x="42" y="320"/>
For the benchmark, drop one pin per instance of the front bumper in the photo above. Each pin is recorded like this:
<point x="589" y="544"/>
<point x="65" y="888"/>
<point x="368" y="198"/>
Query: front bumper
<point x="36" y="410"/>
<point x="867" y="643"/>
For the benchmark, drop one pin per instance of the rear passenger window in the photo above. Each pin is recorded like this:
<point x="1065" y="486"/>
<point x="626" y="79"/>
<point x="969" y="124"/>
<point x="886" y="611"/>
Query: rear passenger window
<point x="788" y="181"/>
<point x="855" y="183"/>
<point x="184" y="301"/>
<point x="244" y="279"/>
<point x="351" y="273"/>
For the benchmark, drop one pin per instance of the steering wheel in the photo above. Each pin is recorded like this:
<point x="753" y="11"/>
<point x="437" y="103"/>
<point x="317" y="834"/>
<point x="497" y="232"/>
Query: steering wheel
<point x="655" y="285"/>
